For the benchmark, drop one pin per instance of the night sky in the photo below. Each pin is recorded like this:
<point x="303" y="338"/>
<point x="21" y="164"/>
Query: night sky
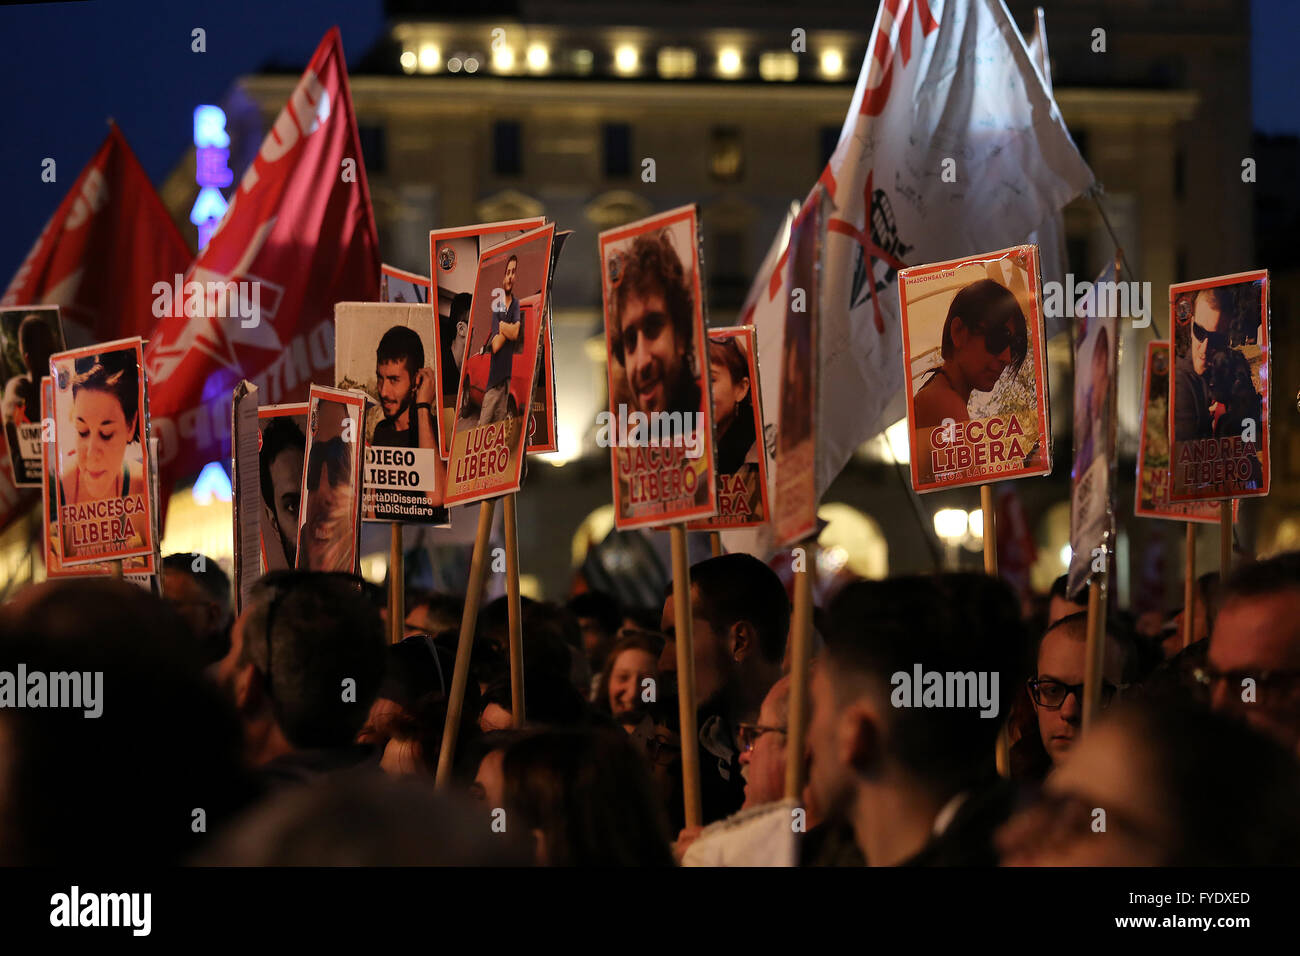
<point x="66" y="67"/>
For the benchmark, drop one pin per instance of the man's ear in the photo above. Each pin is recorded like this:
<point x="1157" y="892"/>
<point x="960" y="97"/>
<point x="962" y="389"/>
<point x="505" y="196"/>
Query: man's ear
<point x="861" y="738"/>
<point x="249" y="693"/>
<point x="744" y="641"/>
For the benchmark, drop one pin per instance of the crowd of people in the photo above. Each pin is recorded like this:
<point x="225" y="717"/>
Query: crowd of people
<point x="294" y="733"/>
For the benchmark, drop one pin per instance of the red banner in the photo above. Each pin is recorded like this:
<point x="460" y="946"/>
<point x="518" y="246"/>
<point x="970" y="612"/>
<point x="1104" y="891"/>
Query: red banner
<point x="98" y="259"/>
<point x="258" y="302"/>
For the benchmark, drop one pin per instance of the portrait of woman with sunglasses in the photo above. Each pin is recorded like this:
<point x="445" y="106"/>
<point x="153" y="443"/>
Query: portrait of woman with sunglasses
<point x="984" y="334"/>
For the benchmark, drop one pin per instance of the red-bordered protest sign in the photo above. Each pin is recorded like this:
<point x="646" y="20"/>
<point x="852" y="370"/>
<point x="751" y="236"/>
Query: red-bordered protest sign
<point x="973" y="348"/>
<point x="28" y="337"/>
<point x="101" y="428"/>
<point x="1219" y="387"/>
<point x="453" y="264"/>
<point x="329" y="518"/>
<point x="398" y="285"/>
<point x="739" y="460"/>
<point x="659" y="425"/>
<point x="500" y="368"/>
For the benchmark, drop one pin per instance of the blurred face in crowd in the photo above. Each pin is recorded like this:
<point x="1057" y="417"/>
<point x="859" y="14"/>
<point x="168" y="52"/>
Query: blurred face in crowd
<point x="652" y="353"/>
<point x="193" y="603"/>
<point x="1107" y="778"/>
<point x="1258" y="639"/>
<point x="713" y="663"/>
<point x="1061" y="662"/>
<point x="401" y="757"/>
<point x="763" y="763"/>
<point x="1059" y="607"/>
<point x="377" y="725"/>
<point x="1206" y="336"/>
<point x="625" y="679"/>
<point x="832" y="742"/>
<point x="490" y="782"/>
<point x="494" y="717"/>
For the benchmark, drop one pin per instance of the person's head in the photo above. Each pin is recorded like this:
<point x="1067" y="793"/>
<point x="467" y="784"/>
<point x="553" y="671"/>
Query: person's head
<point x="460" y="304"/>
<point x="327" y="531"/>
<point x="280" y="471"/>
<point x="397" y="360"/>
<point x="1056" y="689"/>
<point x="1252" y="668"/>
<point x="486" y="753"/>
<point x="740" y="621"/>
<point x="105" y="403"/>
<point x="984" y="332"/>
<point x="1059" y="604"/>
<point x="599" y="617"/>
<point x="587" y="799"/>
<point x="549" y="700"/>
<point x="1099" y="391"/>
<point x="633" y="660"/>
<point x="762" y="747"/>
<point x="413" y="737"/>
<point x="1174" y="785"/>
<point x="729" y="373"/>
<point x="508" y="277"/>
<point x="141" y="738"/>
<point x="867" y="731"/>
<point x="306" y="659"/>
<point x="413" y="670"/>
<point x="1212" y="311"/>
<point x="652" y="311"/>
<point x="436" y="613"/>
<point x="199" y="590"/>
<point x="36" y="342"/>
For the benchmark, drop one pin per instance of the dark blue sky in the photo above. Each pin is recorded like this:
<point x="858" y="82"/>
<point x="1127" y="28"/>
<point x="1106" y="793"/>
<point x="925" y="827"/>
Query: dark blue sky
<point x="66" y="67"/>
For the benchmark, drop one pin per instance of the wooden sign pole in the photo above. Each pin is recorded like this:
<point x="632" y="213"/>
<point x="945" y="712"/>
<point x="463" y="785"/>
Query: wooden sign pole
<point x="1189" y="585"/>
<point x="460" y="674"/>
<point x="396" y="586"/>
<point x="516" y="622"/>
<point x="800" y="658"/>
<point x="684" y="639"/>
<point x="990" y="530"/>
<point x="715" y="543"/>
<point x="1095" y="648"/>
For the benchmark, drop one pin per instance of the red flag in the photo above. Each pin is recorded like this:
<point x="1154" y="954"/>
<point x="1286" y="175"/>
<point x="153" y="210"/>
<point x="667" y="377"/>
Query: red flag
<point x="97" y="259"/>
<point x="258" y="302"/>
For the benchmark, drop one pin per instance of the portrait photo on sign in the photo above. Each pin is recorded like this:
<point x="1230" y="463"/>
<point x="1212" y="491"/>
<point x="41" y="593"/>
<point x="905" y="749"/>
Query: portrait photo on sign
<point x="28" y="337"/>
<point x="659" y="426"/>
<point x="453" y="264"/>
<point x="398" y="285"/>
<point x="282" y="447"/>
<point x="740" y="464"/>
<point x="101" y="430"/>
<point x="386" y="351"/>
<point x="329" y="518"/>
<point x="975" y="363"/>
<point x="1218" y="397"/>
<point x="500" y="367"/>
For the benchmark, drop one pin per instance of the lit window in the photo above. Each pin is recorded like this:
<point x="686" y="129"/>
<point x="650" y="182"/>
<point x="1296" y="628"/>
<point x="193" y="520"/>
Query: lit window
<point x="676" y="63"/>
<point x="408" y="61"/>
<point x="539" y="58"/>
<point x="729" y="62"/>
<point x="626" y="59"/>
<point x="832" y="64"/>
<point x="428" y="58"/>
<point x="778" y="66"/>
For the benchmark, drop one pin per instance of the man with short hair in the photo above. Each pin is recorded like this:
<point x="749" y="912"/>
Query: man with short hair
<point x="406" y="392"/>
<point x="653" y="337"/>
<point x="305" y="664"/>
<point x="1252" y="669"/>
<point x="196" y="586"/>
<point x="1059" y="602"/>
<point x="1056" y="689"/>
<point x="917" y="784"/>
<point x="741" y="618"/>
<point x="504" y="339"/>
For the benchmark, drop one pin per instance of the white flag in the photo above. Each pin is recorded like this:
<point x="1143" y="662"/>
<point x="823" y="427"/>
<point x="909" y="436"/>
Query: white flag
<point x="952" y="146"/>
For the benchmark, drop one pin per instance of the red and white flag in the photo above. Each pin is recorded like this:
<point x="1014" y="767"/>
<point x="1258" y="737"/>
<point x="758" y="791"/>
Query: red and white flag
<point x="952" y="146"/>
<point x="98" y="258"/>
<point x="258" y="302"/>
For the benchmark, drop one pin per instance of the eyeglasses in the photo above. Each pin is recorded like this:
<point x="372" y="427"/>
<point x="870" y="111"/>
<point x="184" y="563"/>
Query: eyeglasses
<point x="319" y="583"/>
<point x="1051" y="694"/>
<point x="1217" y="340"/>
<point x="999" y="337"/>
<point x="1271" y="687"/>
<point x="748" y="734"/>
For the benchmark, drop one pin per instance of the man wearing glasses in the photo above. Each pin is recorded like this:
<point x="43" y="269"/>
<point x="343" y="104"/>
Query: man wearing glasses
<point x="1057" y="685"/>
<point x="1212" y="310"/>
<point x="1252" y="669"/>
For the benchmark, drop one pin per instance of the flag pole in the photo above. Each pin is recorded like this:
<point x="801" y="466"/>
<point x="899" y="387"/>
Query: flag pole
<point x="800" y="657"/>
<point x="1095" y="651"/>
<point x="396" y="586"/>
<point x="990" y="530"/>
<point x="715" y="543"/>
<point x="460" y="675"/>
<point x="516" y="622"/>
<point x="1189" y="585"/>
<point x="1225" y="539"/>
<point x="684" y="639"/>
